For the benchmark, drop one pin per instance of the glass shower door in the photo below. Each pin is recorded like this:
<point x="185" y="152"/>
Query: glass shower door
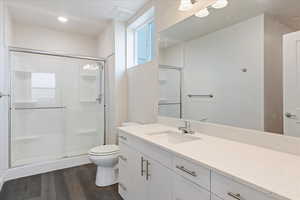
<point x="55" y="107"/>
<point x="170" y="91"/>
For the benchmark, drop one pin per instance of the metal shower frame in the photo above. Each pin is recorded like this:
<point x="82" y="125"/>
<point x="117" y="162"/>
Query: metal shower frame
<point x="13" y="49"/>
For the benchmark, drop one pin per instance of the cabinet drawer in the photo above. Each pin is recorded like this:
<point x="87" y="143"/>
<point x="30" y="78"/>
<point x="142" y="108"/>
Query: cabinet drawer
<point x="125" y="152"/>
<point x="193" y="172"/>
<point x="186" y="190"/>
<point x="231" y="190"/>
<point x="123" y="137"/>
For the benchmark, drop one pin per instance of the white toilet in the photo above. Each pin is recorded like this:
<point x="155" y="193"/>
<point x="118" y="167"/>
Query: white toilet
<point x="106" y="159"/>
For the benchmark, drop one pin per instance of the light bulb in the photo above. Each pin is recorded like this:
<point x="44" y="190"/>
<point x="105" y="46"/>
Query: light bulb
<point x="185" y="5"/>
<point x="202" y="13"/>
<point x="62" y="19"/>
<point x="220" y="4"/>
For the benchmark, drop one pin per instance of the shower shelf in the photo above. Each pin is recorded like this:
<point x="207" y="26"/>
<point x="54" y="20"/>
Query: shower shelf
<point x="88" y="75"/>
<point x="88" y="101"/>
<point x="22" y="71"/>
<point x="25" y="102"/>
<point x="87" y="132"/>
<point x="24" y="138"/>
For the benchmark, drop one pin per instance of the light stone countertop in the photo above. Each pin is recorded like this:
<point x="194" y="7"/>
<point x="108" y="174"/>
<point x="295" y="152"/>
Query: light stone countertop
<point x="263" y="169"/>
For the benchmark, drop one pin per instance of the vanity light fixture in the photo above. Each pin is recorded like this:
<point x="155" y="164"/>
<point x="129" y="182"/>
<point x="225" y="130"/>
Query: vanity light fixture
<point x="220" y="4"/>
<point x="62" y="19"/>
<point x="185" y="5"/>
<point x="202" y="13"/>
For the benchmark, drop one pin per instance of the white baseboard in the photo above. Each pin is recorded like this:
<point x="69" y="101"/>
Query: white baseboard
<point x="44" y="167"/>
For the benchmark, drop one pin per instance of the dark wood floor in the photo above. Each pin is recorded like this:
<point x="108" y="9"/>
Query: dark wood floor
<point x="69" y="184"/>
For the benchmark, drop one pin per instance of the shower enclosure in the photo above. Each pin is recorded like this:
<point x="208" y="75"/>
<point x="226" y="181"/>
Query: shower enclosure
<point x="170" y="80"/>
<point x="57" y="106"/>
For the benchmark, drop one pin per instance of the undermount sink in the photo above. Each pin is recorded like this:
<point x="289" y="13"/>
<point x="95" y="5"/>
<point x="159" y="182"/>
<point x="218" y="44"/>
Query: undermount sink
<point x="173" y="137"/>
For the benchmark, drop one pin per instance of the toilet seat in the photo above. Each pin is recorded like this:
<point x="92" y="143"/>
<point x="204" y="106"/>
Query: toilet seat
<point x="104" y="150"/>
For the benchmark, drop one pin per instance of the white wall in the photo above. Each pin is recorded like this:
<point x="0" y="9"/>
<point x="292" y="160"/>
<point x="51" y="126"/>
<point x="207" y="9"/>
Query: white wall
<point x="172" y="56"/>
<point x="111" y="45"/>
<point x="143" y="93"/>
<point x="213" y="65"/>
<point x="36" y="37"/>
<point x="121" y="94"/>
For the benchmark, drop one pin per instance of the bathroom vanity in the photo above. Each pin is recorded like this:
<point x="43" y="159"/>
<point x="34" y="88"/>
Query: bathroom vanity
<point x="158" y="162"/>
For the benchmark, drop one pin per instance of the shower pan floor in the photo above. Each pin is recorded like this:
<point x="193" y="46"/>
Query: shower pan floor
<point x="68" y="184"/>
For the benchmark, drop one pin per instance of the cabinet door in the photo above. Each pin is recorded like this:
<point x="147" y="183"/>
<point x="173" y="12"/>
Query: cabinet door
<point x="186" y="190"/>
<point x="125" y="160"/>
<point x="131" y="166"/>
<point x="159" y="181"/>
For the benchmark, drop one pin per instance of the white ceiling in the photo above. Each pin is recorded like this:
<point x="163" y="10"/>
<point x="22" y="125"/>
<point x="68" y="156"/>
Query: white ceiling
<point x="286" y="11"/>
<point x="85" y="16"/>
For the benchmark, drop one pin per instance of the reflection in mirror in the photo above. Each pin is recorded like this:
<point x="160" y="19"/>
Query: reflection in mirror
<point x="237" y="67"/>
<point x="170" y="91"/>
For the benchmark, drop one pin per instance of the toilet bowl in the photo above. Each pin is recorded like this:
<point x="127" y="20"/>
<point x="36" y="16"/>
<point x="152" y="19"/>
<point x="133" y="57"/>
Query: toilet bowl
<point x="106" y="159"/>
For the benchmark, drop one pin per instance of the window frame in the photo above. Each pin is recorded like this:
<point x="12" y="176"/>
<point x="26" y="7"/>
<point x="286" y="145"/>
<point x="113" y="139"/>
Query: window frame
<point x="135" y="37"/>
<point x="134" y="24"/>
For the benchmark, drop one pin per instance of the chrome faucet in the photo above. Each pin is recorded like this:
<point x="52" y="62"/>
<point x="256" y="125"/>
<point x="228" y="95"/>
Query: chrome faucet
<point x="187" y="128"/>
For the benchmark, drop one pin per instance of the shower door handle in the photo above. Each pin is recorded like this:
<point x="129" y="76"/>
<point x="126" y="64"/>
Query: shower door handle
<point x="99" y="99"/>
<point x="290" y="116"/>
<point x="100" y="96"/>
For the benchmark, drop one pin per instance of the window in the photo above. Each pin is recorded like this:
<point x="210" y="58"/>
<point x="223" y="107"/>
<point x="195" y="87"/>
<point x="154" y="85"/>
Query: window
<point x="144" y="40"/>
<point x="141" y="39"/>
<point x="43" y="86"/>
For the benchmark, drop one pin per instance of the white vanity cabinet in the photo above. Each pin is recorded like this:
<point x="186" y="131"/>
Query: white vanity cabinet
<point x="148" y="172"/>
<point x="142" y="178"/>
<point x="130" y="179"/>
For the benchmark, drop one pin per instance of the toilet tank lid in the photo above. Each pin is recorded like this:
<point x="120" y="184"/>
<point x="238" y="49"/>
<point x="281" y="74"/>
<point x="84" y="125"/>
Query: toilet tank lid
<point x="104" y="149"/>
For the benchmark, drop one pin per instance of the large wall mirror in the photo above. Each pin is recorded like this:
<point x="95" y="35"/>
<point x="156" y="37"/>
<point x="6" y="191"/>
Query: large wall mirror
<point x="238" y="66"/>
